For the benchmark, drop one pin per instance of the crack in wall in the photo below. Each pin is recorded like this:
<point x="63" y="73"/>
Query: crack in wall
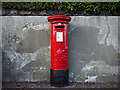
<point x="108" y="30"/>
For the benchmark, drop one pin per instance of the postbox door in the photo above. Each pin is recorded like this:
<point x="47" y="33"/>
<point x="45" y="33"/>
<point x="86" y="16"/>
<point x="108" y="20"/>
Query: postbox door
<point x="59" y="49"/>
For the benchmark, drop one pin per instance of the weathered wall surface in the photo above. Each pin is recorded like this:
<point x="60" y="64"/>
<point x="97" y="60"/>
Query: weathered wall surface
<point x="93" y="48"/>
<point x="0" y="45"/>
<point x="0" y="52"/>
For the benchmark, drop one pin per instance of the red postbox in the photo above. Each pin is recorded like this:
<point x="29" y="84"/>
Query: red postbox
<point x="59" y="49"/>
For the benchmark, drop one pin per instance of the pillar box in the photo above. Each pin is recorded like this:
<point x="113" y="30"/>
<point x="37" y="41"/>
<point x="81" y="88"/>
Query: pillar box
<point x="59" y="50"/>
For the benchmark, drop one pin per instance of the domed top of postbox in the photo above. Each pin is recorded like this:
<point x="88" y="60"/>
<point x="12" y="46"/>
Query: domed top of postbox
<point x="59" y="17"/>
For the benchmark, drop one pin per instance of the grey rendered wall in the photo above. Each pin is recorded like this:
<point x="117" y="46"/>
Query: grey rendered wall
<point x="0" y="46"/>
<point x="93" y="48"/>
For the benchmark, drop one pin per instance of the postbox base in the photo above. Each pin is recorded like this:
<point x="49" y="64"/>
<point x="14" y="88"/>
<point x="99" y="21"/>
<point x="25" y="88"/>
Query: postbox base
<point x="59" y="78"/>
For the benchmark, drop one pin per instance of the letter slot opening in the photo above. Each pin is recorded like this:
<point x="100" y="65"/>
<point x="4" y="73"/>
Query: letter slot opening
<point x="59" y="26"/>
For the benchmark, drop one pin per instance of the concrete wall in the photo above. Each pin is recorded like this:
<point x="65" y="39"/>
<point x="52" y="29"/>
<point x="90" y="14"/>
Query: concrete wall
<point x="0" y="46"/>
<point x="93" y="48"/>
<point x="0" y="53"/>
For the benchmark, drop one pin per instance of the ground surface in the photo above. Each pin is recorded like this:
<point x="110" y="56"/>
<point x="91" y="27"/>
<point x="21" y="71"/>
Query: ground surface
<point x="71" y="85"/>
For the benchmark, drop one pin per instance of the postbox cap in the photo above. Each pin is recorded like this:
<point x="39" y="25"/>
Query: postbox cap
<point x="59" y="17"/>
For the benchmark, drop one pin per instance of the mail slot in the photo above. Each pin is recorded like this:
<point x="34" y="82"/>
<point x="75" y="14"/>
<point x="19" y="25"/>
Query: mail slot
<point x="59" y="50"/>
<point x="59" y="26"/>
